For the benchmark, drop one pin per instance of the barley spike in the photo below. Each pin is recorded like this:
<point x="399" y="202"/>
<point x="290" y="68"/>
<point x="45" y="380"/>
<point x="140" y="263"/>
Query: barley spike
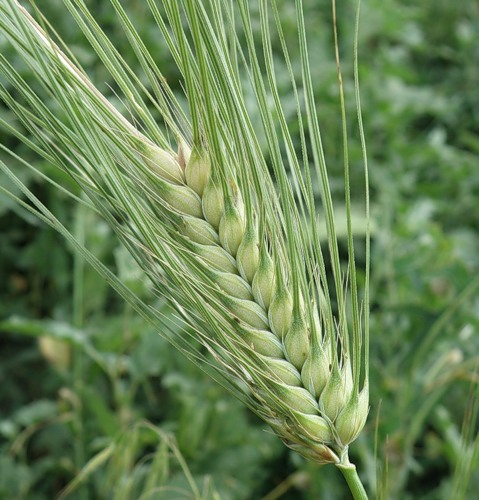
<point x="216" y="224"/>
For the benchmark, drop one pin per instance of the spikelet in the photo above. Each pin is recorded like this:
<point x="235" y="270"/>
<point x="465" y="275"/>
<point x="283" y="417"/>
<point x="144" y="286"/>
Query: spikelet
<point x="198" y="230"/>
<point x="352" y="418"/>
<point x="337" y="391"/>
<point x="232" y="284"/>
<point x="297" y="398"/>
<point x="264" y="280"/>
<point x="281" y="312"/>
<point x="216" y="257"/>
<point x="198" y="170"/>
<point x="283" y="370"/>
<point x="249" y="312"/>
<point x="262" y="341"/>
<point x="317" y="428"/>
<point x="161" y="162"/>
<point x="320" y="454"/>
<point x="231" y="229"/>
<point x="248" y="254"/>
<point x="317" y="368"/>
<point x="180" y="198"/>
<point x="213" y="203"/>
<point x="297" y="342"/>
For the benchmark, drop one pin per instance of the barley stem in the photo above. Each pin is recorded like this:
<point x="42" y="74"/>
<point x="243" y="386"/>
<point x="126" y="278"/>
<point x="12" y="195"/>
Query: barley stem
<point x="351" y="475"/>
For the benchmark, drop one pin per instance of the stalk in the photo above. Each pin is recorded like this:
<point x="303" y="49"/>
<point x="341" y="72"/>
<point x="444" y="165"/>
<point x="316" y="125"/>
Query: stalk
<point x="352" y="478"/>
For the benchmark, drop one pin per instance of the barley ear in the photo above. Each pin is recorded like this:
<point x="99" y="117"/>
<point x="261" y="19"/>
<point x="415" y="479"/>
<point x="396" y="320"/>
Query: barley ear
<point x="224" y="227"/>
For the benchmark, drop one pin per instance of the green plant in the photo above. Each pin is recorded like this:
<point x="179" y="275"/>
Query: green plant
<point x="226" y="230"/>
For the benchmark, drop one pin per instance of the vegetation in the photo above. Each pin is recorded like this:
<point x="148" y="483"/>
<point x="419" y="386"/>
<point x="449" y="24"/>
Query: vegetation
<point x="95" y="404"/>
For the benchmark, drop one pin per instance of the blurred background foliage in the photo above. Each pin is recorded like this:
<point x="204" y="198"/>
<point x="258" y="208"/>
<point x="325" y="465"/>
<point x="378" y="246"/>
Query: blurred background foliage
<point x="95" y="404"/>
